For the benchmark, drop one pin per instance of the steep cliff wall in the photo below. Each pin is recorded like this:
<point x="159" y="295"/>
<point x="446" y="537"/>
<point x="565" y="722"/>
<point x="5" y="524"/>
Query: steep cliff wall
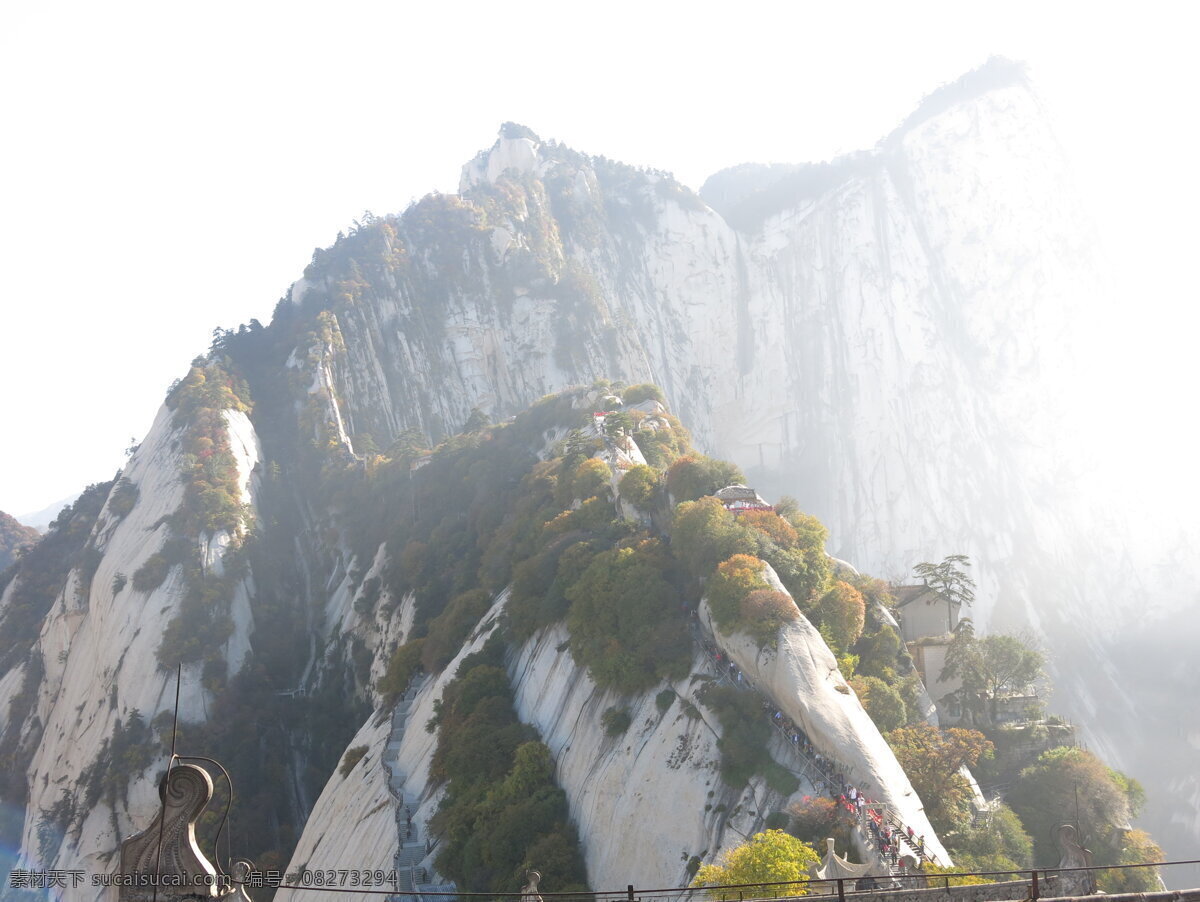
<point x="888" y="348"/>
<point x="616" y="785"/>
<point x="903" y="339"/>
<point x="103" y="682"/>
<point x="801" y="678"/>
<point x="881" y="339"/>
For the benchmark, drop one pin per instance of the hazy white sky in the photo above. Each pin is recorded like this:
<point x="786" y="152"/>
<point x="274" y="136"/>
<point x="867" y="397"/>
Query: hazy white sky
<point x="169" y="168"/>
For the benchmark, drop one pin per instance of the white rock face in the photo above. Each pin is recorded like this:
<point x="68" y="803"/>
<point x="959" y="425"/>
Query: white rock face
<point x="880" y="346"/>
<point x="801" y="677"/>
<point x="870" y="349"/>
<point x="99" y="650"/>
<point x="509" y="154"/>
<point x="353" y="824"/>
<point x="908" y="347"/>
<point x="618" y="787"/>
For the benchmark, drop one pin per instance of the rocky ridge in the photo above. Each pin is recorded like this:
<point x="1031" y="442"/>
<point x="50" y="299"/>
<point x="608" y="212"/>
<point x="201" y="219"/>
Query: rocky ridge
<point x="864" y="344"/>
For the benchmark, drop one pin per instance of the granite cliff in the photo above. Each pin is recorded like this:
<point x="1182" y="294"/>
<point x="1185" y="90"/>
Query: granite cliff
<point x="879" y="336"/>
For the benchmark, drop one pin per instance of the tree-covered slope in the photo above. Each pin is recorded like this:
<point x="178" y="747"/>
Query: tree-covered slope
<point x="14" y="538"/>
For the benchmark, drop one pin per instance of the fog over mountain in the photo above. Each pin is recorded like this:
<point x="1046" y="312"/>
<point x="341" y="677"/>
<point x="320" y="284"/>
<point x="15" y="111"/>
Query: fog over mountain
<point x="914" y="341"/>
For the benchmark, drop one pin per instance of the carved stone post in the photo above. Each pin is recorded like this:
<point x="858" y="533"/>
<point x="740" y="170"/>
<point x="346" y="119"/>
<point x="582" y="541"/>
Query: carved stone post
<point x="1074" y="883"/>
<point x="163" y="862"/>
<point x="529" y="892"/>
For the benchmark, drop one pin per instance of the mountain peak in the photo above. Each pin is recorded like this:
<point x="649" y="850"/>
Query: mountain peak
<point x="996" y="73"/>
<point x="748" y="193"/>
<point x="514" y="130"/>
<point x="516" y="148"/>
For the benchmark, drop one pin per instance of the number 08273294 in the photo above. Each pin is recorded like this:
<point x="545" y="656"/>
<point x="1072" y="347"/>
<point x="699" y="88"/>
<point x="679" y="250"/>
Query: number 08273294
<point x="343" y="877"/>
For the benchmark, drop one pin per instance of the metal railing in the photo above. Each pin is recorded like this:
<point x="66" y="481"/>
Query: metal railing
<point x="1024" y="884"/>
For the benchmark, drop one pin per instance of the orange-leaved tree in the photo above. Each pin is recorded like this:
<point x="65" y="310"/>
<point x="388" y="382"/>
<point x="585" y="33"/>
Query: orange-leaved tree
<point x="933" y="760"/>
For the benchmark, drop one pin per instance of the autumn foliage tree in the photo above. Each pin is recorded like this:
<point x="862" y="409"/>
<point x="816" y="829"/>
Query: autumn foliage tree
<point x="843" y="613"/>
<point x="771" y="857"/>
<point x="1136" y="847"/>
<point x="815" y="818"/>
<point x="933" y="760"/>
<point x="734" y="580"/>
<point x="763" y="612"/>
<point x="704" y="534"/>
<point x="695" y="475"/>
<point x="779" y="530"/>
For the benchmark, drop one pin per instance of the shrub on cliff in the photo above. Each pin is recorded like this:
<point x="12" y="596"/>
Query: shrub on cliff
<point x="1136" y="848"/>
<point x="745" y="735"/>
<point x="1000" y="843"/>
<point x="640" y="487"/>
<point x="643" y="391"/>
<point x="450" y="629"/>
<point x="351" y="758"/>
<point x="403" y="665"/>
<point x="1045" y="794"/>
<point x="625" y="622"/>
<point x="843" y="614"/>
<point x="591" y="478"/>
<point x="735" y="579"/>
<point x="881" y="701"/>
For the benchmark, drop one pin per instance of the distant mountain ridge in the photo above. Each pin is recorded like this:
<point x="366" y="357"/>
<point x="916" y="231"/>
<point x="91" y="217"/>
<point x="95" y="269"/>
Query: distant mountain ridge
<point x="41" y="519"/>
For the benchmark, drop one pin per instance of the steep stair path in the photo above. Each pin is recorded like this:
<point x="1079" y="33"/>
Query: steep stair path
<point x="871" y="819"/>
<point x="411" y="876"/>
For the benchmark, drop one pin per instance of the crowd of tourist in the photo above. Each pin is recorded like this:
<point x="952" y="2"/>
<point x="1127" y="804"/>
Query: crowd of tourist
<point x="891" y="839"/>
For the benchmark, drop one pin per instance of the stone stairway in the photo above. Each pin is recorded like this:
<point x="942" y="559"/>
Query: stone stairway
<point x="820" y="774"/>
<point x="412" y="848"/>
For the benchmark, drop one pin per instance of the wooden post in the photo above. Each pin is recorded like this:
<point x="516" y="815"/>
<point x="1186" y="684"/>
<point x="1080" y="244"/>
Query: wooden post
<point x="1033" y="889"/>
